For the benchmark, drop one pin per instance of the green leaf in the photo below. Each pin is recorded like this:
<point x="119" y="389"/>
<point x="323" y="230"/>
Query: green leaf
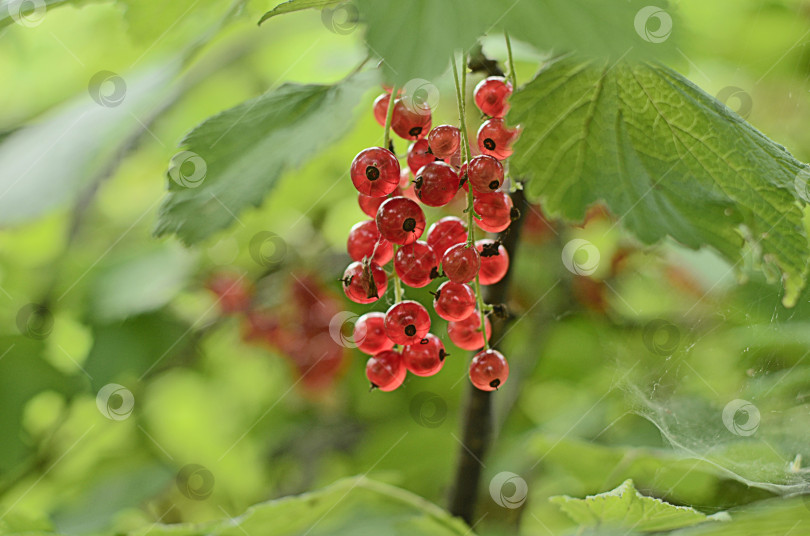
<point x="290" y="6"/>
<point x="626" y="508"/>
<point x="667" y="158"/>
<point x="235" y="158"/>
<point x="347" y="508"/>
<point x="774" y="517"/>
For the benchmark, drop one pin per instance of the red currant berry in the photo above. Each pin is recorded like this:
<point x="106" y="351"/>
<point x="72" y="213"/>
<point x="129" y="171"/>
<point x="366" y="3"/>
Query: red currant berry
<point x="364" y="241"/>
<point x="466" y="334"/>
<point x="375" y="172"/>
<point x="381" y="108"/>
<point x="400" y="220"/>
<point x="416" y="264"/>
<point x="404" y="179"/>
<point x="369" y="205"/>
<point x="491" y="94"/>
<point x="494" y="261"/>
<point x="364" y="283"/>
<point x="444" y="140"/>
<point x="461" y="263"/>
<point x="369" y="334"/>
<point x="386" y="371"/>
<point x="454" y="301"/>
<point x="410" y="124"/>
<point x="419" y="155"/>
<point x="426" y="357"/>
<point x="493" y="211"/>
<point x="488" y="370"/>
<point x="436" y="184"/>
<point x="233" y="292"/>
<point x="495" y="139"/>
<point x="445" y="233"/>
<point x="407" y="322"/>
<point x="485" y="173"/>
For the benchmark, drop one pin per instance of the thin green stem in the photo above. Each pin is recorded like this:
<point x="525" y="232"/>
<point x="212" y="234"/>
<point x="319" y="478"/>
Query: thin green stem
<point x="510" y="62"/>
<point x="389" y="114"/>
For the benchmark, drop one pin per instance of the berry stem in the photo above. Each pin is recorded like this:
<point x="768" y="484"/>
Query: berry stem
<point x="397" y="283"/>
<point x="509" y="61"/>
<point x="388" y="115"/>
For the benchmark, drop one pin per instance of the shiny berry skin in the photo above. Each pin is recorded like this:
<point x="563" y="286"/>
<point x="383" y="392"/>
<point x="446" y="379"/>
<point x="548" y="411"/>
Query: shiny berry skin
<point x="461" y="263"/>
<point x="494" y="261"/>
<point x="485" y="173"/>
<point x="369" y="205"/>
<point x="416" y="264"/>
<point x="426" y="357"/>
<point x="404" y="179"/>
<point x="488" y="370"/>
<point x="375" y="172"/>
<point x="495" y="211"/>
<point x="357" y="282"/>
<point x="369" y="334"/>
<point x="400" y="220"/>
<point x="364" y="241"/>
<point x="381" y="108"/>
<point x="419" y="155"/>
<point x="410" y="124"/>
<point x="444" y="141"/>
<point x="466" y="334"/>
<point x="407" y="322"/>
<point x="495" y="139"/>
<point x="454" y="301"/>
<point x="445" y="233"/>
<point x="490" y="96"/>
<point x="385" y="370"/>
<point x="436" y="184"/>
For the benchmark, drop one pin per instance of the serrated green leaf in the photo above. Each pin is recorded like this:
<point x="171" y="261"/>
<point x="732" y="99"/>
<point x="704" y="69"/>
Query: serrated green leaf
<point x="237" y="156"/>
<point x="774" y="517"/>
<point x="291" y="6"/>
<point x="667" y="158"/>
<point x="625" y="507"/>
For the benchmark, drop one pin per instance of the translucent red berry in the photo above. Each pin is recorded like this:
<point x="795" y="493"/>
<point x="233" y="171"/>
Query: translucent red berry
<point x="385" y="370"/>
<point x="419" y="155"/>
<point x="461" y="263"/>
<point x="454" y="301"/>
<point x="375" y="172"/>
<point x="485" y="173"/>
<point x="493" y="211"/>
<point x="488" y="370"/>
<point x="404" y="179"/>
<point x="445" y="233"/>
<point x="369" y="334"/>
<point x="407" y="322"/>
<point x="436" y="184"/>
<point x="490" y="96"/>
<point x="416" y="264"/>
<point x="369" y="205"/>
<point x="444" y="141"/>
<point x="365" y="241"/>
<point x="426" y="357"/>
<point x="466" y="334"/>
<point x="494" y="261"/>
<point x="381" y="108"/>
<point x="364" y="282"/>
<point x="495" y="139"/>
<point x="400" y="220"/>
<point x="410" y="124"/>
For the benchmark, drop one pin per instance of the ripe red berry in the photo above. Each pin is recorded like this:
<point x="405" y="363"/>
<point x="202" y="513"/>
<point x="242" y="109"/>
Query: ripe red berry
<point x="375" y="172"/>
<point x="461" y="263"/>
<point x="369" y="334"/>
<point x="493" y="211"/>
<point x="233" y="293"/>
<point x="369" y="205"/>
<point x="400" y="220"/>
<point x="466" y="334"/>
<point x="426" y="357"/>
<point x="495" y="139"/>
<point x="381" y="108"/>
<point x="385" y="370"/>
<point x="445" y="233"/>
<point x="444" y="140"/>
<point x="416" y="264"/>
<point x="436" y="184"/>
<point x="404" y="179"/>
<point x="364" y="283"/>
<point x="490" y="96"/>
<point x="419" y="155"/>
<point x="494" y="261"/>
<point x="488" y="370"/>
<point x="485" y="173"/>
<point x="365" y="241"/>
<point x="454" y="301"/>
<point x="410" y="124"/>
<point x="407" y="322"/>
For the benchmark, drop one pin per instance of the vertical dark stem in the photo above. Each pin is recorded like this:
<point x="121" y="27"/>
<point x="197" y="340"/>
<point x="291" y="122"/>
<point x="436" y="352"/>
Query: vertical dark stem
<point x="477" y="417"/>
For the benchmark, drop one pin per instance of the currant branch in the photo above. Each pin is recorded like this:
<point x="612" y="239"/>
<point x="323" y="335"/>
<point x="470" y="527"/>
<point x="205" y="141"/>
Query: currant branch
<point x="389" y="114"/>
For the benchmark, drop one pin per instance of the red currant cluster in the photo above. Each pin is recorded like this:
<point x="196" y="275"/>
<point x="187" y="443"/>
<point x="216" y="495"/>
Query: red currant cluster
<point x="388" y="196"/>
